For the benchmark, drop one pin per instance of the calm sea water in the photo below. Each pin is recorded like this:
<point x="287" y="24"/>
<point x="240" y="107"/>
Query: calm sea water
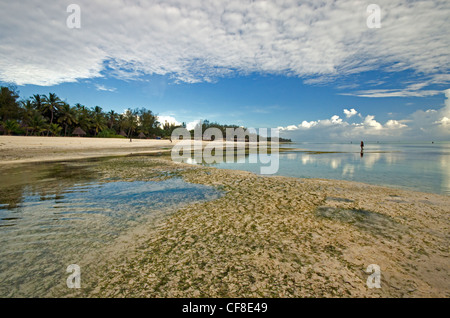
<point x="414" y="166"/>
<point x="54" y="215"/>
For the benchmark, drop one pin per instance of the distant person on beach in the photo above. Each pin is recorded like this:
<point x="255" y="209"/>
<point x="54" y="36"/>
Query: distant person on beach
<point x="362" y="148"/>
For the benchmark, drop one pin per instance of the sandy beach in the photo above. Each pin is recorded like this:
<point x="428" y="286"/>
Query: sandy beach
<point x="26" y="149"/>
<point x="266" y="237"/>
<point x="23" y="149"/>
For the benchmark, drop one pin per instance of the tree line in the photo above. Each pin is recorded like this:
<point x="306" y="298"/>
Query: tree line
<point x="49" y="115"/>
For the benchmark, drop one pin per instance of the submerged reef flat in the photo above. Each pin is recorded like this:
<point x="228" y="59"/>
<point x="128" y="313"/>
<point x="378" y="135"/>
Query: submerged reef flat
<point x="271" y="236"/>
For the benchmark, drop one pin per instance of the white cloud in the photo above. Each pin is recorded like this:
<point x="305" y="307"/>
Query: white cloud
<point x="306" y="124"/>
<point x="370" y="122"/>
<point x="350" y="113"/>
<point x="100" y="87"/>
<point x="395" y="124"/>
<point x="335" y="120"/>
<point x="195" y="40"/>
<point x="431" y="124"/>
<point x="395" y="93"/>
<point x="170" y="119"/>
<point x="191" y="125"/>
<point x="291" y="127"/>
<point x="443" y="121"/>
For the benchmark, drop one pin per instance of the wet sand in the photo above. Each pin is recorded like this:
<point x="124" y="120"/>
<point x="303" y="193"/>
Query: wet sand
<point x="278" y="237"/>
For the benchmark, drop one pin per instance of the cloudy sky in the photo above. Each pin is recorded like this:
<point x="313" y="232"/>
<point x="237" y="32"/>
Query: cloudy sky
<point x="313" y="68"/>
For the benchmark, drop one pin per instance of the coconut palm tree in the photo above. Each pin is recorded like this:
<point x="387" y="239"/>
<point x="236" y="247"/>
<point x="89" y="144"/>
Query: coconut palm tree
<point x="83" y="117"/>
<point x="38" y="102"/>
<point x="55" y="129"/>
<point x="10" y="126"/>
<point x="131" y="121"/>
<point x="67" y="116"/>
<point x="121" y="122"/>
<point x="112" y="117"/>
<point x="37" y="123"/>
<point x="98" y="120"/>
<point x="52" y="103"/>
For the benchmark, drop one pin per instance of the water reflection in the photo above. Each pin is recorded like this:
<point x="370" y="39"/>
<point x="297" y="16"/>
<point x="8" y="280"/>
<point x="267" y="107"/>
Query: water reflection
<point x="445" y="166"/>
<point x="422" y="167"/>
<point x="348" y="170"/>
<point x="38" y="179"/>
<point x="53" y="215"/>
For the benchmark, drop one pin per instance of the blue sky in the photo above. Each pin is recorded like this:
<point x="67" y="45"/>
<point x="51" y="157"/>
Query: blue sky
<point x="312" y="68"/>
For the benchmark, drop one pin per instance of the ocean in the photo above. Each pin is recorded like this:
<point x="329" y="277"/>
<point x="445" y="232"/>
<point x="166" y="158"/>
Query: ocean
<point x="413" y="166"/>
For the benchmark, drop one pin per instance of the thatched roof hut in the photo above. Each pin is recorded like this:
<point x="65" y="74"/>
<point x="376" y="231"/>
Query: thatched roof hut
<point x="142" y="135"/>
<point x="122" y="133"/>
<point x="78" y="131"/>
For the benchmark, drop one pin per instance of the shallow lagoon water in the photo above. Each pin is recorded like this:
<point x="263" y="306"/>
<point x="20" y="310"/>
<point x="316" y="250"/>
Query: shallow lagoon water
<point x="54" y="215"/>
<point x="415" y="166"/>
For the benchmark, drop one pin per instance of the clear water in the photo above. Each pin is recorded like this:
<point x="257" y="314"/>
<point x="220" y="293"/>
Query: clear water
<point x="420" y="166"/>
<point x="54" y="215"/>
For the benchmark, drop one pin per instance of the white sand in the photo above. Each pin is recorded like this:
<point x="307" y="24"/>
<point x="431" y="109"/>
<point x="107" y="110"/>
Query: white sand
<point x="20" y="149"/>
<point x="23" y="149"/>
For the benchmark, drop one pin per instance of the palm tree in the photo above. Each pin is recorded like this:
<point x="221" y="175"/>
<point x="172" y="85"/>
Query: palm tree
<point x="98" y="120"/>
<point x="10" y="126"/>
<point x="131" y="121"/>
<point x="52" y="103"/>
<point x="67" y="116"/>
<point x="38" y="102"/>
<point x="121" y="122"/>
<point x="83" y="117"/>
<point x="55" y="129"/>
<point x="37" y="123"/>
<point x="112" y="119"/>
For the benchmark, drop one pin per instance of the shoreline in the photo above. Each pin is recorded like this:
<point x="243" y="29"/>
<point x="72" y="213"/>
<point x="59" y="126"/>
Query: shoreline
<point x="19" y="150"/>
<point x="30" y="149"/>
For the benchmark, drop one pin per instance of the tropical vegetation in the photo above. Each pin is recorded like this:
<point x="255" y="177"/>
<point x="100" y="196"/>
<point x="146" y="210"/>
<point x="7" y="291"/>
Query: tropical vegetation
<point x="49" y="115"/>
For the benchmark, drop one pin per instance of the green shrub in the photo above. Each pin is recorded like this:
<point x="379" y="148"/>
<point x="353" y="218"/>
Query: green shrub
<point x="109" y="133"/>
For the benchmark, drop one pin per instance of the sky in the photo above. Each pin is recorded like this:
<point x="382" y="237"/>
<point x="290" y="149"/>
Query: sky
<point x="317" y="70"/>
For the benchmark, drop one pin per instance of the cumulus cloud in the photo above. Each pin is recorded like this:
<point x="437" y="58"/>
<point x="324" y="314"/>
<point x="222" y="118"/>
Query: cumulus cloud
<point x="192" y="124"/>
<point x="431" y="124"/>
<point x="370" y="121"/>
<point x="194" y="41"/>
<point x="394" y="124"/>
<point x="170" y="119"/>
<point x="350" y="113"/>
